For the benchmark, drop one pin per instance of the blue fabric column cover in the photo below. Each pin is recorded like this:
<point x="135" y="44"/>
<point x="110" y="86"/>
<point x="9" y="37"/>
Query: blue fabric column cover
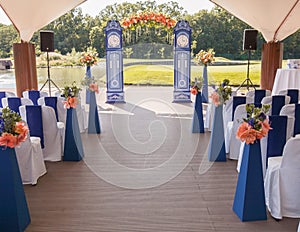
<point x="249" y="200"/>
<point x="198" y="124"/>
<point x="14" y="213"/>
<point x="94" y="123"/>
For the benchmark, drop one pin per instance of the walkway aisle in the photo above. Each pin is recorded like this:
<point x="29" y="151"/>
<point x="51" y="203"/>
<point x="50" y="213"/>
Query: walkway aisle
<point x="141" y="174"/>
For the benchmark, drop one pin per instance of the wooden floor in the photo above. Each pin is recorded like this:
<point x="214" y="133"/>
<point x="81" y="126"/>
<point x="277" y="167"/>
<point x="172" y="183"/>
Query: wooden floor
<point x="73" y="196"/>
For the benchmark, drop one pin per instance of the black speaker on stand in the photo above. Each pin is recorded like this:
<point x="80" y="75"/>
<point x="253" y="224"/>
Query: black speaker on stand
<point x="47" y="45"/>
<point x="249" y="43"/>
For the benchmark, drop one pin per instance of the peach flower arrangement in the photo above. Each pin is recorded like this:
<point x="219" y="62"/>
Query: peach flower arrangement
<point x="255" y="126"/>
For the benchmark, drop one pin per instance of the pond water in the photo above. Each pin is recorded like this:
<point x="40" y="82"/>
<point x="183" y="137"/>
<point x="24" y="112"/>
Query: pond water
<point x="59" y="75"/>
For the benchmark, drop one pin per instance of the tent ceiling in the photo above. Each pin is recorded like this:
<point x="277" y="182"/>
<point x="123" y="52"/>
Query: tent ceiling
<point x="32" y="15"/>
<point x="276" y="20"/>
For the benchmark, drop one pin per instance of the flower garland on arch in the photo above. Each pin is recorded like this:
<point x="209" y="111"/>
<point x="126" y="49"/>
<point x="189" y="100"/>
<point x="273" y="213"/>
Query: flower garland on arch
<point x="148" y="18"/>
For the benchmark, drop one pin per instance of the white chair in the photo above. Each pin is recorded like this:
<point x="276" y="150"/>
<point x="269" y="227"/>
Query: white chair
<point x="268" y="101"/>
<point x="24" y="101"/>
<point x="289" y="111"/>
<point x="53" y="133"/>
<point x="282" y="182"/>
<point x="251" y="94"/>
<point x="233" y="144"/>
<point x="61" y="111"/>
<point x="285" y="92"/>
<point x="30" y="159"/>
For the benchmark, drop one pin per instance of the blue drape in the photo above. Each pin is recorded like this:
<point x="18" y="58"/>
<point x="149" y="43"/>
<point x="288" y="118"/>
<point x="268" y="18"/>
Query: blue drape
<point x="14" y="103"/>
<point x="34" y="95"/>
<point x="35" y="122"/>
<point x="294" y="94"/>
<point x="237" y="100"/>
<point x="259" y="94"/>
<point x="278" y="102"/>
<point x="52" y="102"/>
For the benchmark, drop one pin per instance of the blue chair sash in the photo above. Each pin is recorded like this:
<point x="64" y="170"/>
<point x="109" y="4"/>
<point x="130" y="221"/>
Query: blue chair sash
<point x="34" y="95"/>
<point x="2" y="95"/>
<point x="294" y="94"/>
<point x="14" y="103"/>
<point x="276" y="136"/>
<point x="259" y="94"/>
<point x="297" y="120"/>
<point x="278" y="102"/>
<point x="237" y="100"/>
<point x="35" y="122"/>
<point x="52" y="102"/>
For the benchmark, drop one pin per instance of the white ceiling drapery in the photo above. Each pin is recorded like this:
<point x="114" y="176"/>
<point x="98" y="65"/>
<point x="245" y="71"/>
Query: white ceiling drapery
<point x="276" y="20"/>
<point x="31" y="15"/>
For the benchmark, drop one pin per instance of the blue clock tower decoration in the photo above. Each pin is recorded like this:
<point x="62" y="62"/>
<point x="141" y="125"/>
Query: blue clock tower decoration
<point x="182" y="62"/>
<point x="114" y="62"/>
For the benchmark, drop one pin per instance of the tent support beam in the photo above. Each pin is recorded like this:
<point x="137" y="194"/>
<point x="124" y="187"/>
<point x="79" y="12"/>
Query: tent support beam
<point x="25" y="67"/>
<point x="271" y="60"/>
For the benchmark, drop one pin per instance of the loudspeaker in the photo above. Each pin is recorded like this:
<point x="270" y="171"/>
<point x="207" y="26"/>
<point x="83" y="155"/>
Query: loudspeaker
<point x="250" y="39"/>
<point x="47" y="41"/>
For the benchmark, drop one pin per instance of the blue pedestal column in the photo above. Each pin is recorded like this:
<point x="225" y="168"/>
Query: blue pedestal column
<point x="14" y="213"/>
<point x="249" y="201"/>
<point x="73" y="150"/>
<point x="198" y="124"/>
<point x="205" y="85"/>
<point x="88" y="73"/>
<point x="216" y="149"/>
<point x="94" y="123"/>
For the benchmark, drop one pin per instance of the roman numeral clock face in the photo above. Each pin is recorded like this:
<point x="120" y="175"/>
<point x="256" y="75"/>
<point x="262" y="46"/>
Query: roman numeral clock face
<point x="182" y="41"/>
<point x="113" y="41"/>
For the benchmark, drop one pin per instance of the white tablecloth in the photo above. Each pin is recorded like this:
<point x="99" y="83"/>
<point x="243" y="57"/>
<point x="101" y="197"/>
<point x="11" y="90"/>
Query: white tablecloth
<point x="286" y="79"/>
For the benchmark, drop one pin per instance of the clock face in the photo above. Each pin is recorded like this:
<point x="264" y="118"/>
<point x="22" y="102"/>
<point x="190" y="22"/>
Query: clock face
<point x="182" y="41"/>
<point x="113" y="41"/>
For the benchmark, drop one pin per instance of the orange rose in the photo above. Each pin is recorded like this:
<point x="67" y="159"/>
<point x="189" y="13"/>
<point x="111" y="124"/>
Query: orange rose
<point x="215" y="98"/>
<point x="8" y="140"/>
<point x="194" y="91"/>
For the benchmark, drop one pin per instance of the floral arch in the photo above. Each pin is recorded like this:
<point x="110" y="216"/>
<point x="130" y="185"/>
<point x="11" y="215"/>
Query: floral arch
<point x="147" y="19"/>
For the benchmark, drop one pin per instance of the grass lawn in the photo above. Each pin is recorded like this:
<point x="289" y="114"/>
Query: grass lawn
<point x="164" y="74"/>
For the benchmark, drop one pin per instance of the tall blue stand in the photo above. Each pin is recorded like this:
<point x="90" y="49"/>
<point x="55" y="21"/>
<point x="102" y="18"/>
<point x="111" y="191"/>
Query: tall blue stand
<point x="94" y="123"/>
<point x="88" y="74"/>
<point x="216" y="149"/>
<point x="205" y="85"/>
<point x="73" y="150"/>
<point x="198" y="124"/>
<point x="249" y="201"/>
<point x="14" y="213"/>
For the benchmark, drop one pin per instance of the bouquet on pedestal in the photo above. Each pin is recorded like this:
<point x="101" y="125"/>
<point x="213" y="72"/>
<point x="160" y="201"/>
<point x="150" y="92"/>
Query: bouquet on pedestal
<point x="222" y="93"/>
<point x="255" y="126"/>
<point x="12" y="130"/>
<point x="70" y="93"/>
<point x="196" y="85"/>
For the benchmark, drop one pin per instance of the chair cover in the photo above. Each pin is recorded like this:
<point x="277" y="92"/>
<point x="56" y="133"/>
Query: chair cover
<point x="34" y="95"/>
<point x="282" y="182"/>
<point x="35" y="122"/>
<point x="278" y="102"/>
<point x="31" y="161"/>
<point x="61" y="111"/>
<point x="231" y="141"/>
<point x="276" y="136"/>
<point x="268" y="100"/>
<point x="53" y="133"/>
<point x="24" y="101"/>
<point x="52" y="102"/>
<point x="289" y="111"/>
<point x="259" y="94"/>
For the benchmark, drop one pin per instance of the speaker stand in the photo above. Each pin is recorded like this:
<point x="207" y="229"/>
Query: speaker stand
<point x="49" y="81"/>
<point x="247" y="81"/>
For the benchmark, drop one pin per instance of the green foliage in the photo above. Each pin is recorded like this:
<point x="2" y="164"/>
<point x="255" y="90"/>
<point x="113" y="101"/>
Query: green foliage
<point x="216" y="29"/>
